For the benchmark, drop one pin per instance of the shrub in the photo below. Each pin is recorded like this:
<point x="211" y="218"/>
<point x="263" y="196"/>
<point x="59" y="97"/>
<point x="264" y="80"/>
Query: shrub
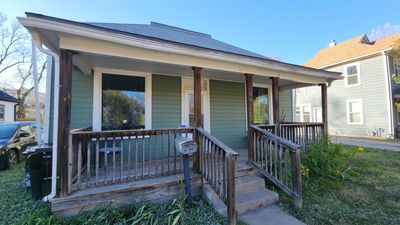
<point x="325" y="159"/>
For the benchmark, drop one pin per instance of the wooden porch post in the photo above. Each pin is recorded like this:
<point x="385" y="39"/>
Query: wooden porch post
<point x="324" y="101"/>
<point x="64" y="120"/>
<point x="197" y="109"/>
<point x="275" y="104"/>
<point x="250" y="114"/>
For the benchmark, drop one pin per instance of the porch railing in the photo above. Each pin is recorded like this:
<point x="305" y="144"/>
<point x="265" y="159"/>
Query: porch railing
<point x="299" y="133"/>
<point x="278" y="160"/>
<point x="217" y="166"/>
<point x="108" y="157"/>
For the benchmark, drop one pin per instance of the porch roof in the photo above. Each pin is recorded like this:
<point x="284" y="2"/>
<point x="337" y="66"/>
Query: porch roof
<point x="58" y="33"/>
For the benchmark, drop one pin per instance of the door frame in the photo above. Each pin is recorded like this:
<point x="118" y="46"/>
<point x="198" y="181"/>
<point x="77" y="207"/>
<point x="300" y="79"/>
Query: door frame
<point x="187" y="88"/>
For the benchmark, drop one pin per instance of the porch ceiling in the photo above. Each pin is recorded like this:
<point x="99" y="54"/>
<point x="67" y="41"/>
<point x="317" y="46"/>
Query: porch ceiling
<point x="88" y="61"/>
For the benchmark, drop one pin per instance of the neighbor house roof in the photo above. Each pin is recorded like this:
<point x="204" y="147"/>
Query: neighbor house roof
<point x="356" y="47"/>
<point x="6" y="97"/>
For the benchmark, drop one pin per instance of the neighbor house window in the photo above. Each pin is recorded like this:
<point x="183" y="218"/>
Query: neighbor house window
<point x="354" y="111"/>
<point x="123" y="102"/>
<point x="352" y="74"/>
<point x="301" y="91"/>
<point x="260" y="105"/>
<point x="398" y="113"/>
<point x="2" y="112"/>
<point x="303" y="113"/>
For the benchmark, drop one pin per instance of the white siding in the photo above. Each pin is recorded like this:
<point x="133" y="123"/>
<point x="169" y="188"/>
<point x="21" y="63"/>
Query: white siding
<point x="8" y="111"/>
<point x="372" y="91"/>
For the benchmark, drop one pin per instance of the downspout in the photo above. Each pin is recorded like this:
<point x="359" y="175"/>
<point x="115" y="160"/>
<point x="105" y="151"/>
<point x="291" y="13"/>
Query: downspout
<point x="55" y="114"/>
<point x="47" y="104"/>
<point x="36" y="85"/>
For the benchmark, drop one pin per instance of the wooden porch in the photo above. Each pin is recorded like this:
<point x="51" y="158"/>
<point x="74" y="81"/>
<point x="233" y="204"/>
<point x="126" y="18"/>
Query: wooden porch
<point x="97" y="167"/>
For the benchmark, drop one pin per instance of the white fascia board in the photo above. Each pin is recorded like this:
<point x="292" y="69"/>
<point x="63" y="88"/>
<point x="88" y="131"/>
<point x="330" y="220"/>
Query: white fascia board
<point x="169" y="47"/>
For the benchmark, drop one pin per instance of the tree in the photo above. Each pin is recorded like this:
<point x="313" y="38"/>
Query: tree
<point x="13" y="48"/>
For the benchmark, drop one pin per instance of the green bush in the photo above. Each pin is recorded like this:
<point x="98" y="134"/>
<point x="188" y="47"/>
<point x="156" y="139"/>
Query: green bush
<point x="325" y="159"/>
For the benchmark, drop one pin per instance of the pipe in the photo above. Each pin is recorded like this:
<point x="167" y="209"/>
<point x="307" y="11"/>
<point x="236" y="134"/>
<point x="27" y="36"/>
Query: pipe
<point x="36" y="86"/>
<point x="55" y="115"/>
<point x="48" y="100"/>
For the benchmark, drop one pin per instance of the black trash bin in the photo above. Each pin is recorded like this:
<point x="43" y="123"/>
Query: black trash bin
<point x="38" y="171"/>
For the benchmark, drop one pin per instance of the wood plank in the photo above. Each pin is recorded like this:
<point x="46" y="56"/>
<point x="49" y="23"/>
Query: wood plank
<point x="250" y="114"/>
<point x="197" y="109"/>
<point x="275" y="104"/>
<point x="64" y="120"/>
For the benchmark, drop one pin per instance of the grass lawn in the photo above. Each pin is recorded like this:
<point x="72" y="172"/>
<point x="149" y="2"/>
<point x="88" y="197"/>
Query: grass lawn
<point x="17" y="207"/>
<point x="370" y="196"/>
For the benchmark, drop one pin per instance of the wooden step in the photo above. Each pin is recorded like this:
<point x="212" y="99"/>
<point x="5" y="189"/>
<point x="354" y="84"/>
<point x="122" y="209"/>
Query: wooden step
<point x="248" y="201"/>
<point x="248" y="183"/>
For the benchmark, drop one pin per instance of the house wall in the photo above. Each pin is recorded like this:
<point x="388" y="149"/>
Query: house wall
<point x="286" y="105"/>
<point x="166" y="101"/>
<point x="8" y="111"/>
<point x="228" y="112"/>
<point x="372" y="91"/>
<point x="81" y="99"/>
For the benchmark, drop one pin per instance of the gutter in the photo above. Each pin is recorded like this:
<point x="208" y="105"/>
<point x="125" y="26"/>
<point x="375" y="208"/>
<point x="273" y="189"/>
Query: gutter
<point x="71" y="27"/>
<point x="38" y="43"/>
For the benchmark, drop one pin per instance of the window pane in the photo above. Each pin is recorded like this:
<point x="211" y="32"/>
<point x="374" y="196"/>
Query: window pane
<point x="351" y="70"/>
<point x="306" y="117"/>
<point x="352" y="79"/>
<point x="355" y="107"/>
<point x="260" y="105"/>
<point x="355" y="117"/>
<point x="191" y="111"/>
<point x="123" y="102"/>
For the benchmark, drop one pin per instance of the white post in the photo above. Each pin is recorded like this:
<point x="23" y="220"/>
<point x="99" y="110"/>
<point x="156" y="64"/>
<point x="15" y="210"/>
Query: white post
<point x="36" y="87"/>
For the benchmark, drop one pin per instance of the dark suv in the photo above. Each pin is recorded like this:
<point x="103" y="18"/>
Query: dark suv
<point x="14" y="138"/>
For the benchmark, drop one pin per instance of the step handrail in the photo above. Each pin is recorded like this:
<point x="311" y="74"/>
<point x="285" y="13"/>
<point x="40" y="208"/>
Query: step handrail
<point x="216" y="163"/>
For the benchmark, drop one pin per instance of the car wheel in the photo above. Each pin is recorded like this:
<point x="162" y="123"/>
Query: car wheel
<point x="12" y="158"/>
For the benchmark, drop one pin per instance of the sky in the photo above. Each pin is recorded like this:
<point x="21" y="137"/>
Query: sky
<point x="292" y="31"/>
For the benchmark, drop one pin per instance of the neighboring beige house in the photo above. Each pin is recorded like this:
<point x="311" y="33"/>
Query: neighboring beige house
<point x="7" y="107"/>
<point x="363" y="103"/>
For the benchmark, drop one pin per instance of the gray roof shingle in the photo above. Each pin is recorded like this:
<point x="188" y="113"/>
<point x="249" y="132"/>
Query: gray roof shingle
<point x="177" y="35"/>
<point x="6" y="97"/>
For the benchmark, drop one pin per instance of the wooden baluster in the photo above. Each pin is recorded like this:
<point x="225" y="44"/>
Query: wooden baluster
<point x="114" y="168"/>
<point x="224" y="168"/>
<point x="174" y="154"/>
<point x="143" y="155"/>
<point x="162" y="153"/>
<point x="79" y="161"/>
<point x="122" y="158"/>
<point x="97" y="160"/>
<point x="280" y="161"/>
<point x="230" y="203"/>
<point x="88" y="160"/>
<point x="136" y="157"/>
<point x="105" y="159"/>
<point x="169" y="151"/>
<point x="156" y="154"/>
<point x="129" y="157"/>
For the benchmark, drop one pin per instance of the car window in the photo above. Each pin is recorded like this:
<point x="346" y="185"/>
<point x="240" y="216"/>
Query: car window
<point x="7" y="130"/>
<point x="26" y="129"/>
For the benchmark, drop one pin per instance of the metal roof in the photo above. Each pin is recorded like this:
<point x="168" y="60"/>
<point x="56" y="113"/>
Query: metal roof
<point x="6" y="97"/>
<point x="176" y="35"/>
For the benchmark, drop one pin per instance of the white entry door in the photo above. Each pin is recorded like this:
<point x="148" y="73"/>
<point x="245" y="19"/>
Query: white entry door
<point x="188" y="104"/>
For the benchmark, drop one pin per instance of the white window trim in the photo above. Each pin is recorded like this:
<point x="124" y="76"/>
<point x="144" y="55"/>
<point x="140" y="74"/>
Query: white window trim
<point x="315" y="114"/>
<point x="346" y="84"/>
<point x="4" y="112"/>
<point x="97" y="94"/>
<point x="301" y="93"/>
<point x="271" y="107"/>
<point x="302" y="112"/>
<point x="187" y="86"/>
<point x="361" y="112"/>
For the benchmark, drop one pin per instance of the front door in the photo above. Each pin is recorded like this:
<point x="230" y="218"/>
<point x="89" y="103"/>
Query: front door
<point x="188" y="104"/>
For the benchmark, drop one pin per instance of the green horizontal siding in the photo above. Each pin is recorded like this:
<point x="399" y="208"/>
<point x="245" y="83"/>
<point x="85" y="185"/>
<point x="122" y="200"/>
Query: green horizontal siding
<point x="81" y="99"/>
<point x="286" y="105"/>
<point x="166" y="101"/>
<point x="228" y="113"/>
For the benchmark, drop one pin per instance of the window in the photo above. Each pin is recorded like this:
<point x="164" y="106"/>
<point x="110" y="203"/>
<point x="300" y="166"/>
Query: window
<point x="352" y="74"/>
<point x="123" y="102"/>
<point x="301" y="91"/>
<point x="2" y="112"/>
<point x="318" y="114"/>
<point x="398" y="113"/>
<point x="303" y="113"/>
<point x="354" y="111"/>
<point x="260" y="105"/>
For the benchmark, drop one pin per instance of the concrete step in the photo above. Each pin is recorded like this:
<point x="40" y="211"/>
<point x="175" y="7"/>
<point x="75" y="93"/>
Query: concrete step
<point x="248" y="201"/>
<point x="244" y="169"/>
<point x="248" y="183"/>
